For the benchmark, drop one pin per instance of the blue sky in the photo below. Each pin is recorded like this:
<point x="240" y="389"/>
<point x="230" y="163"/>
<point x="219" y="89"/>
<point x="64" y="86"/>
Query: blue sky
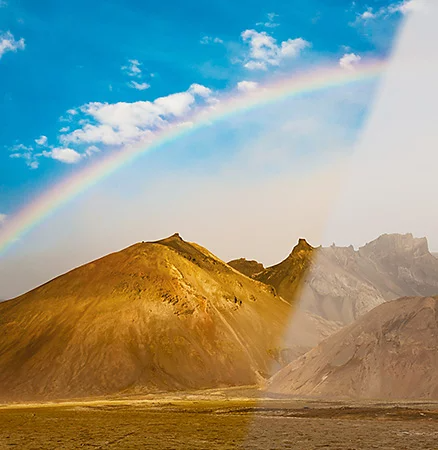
<point x="68" y="54"/>
<point x="81" y="79"/>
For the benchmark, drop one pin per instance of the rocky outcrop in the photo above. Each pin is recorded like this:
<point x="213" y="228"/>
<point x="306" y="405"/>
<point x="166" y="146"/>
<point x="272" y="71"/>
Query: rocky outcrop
<point x="247" y="267"/>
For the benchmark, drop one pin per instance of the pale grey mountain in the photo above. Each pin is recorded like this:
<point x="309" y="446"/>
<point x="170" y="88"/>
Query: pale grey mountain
<point x="389" y="353"/>
<point x="342" y="283"/>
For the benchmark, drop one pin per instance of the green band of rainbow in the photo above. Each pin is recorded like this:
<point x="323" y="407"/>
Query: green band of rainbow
<point x="316" y="80"/>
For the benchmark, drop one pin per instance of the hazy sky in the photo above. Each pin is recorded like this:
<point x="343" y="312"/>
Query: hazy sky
<point x="343" y="165"/>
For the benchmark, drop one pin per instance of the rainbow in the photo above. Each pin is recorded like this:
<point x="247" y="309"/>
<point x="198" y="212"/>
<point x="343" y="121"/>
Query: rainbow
<point x="323" y="78"/>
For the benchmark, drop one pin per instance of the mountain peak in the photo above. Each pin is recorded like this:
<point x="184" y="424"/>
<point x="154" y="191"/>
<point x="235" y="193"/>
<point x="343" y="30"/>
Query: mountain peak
<point x="397" y="243"/>
<point x="302" y="245"/>
<point x="174" y="237"/>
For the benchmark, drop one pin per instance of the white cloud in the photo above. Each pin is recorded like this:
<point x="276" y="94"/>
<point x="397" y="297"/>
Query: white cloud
<point x="349" y="61"/>
<point x="114" y="125"/>
<point x="264" y="50"/>
<point x="199" y="89"/>
<point x="124" y="123"/>
<point x="65" y="155"/>
<point x="247" y="86"/>
<point x="9" y="44"/>
<point x="2" y="216"/>
<point x="210" y="40"/>
<point x="133" y="68"/>
<point x="41" y="140"/>
<point x="139" y="86"/>
<point x="292" y="47"/>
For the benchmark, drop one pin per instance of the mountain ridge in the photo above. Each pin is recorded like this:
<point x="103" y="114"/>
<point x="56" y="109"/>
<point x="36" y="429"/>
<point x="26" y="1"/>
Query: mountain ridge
<point x="340" y="283"/>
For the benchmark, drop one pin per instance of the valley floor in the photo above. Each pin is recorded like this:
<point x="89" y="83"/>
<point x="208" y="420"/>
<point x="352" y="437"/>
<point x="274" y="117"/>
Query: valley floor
<point x="219" y="421"/>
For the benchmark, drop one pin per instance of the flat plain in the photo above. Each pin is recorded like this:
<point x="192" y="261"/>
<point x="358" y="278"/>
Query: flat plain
<point x="219" y="422"/>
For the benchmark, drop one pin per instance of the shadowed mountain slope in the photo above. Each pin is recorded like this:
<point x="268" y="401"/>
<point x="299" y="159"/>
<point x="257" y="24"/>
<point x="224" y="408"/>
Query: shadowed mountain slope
<point x="389" y="353"/>
<point x="288" y="276"/>
<point x="155" y="316"/>
<point x="306" y="329"/>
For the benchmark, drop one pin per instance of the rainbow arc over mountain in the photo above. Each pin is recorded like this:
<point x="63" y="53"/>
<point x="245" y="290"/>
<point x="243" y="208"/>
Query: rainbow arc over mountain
<point x="233" y="104"/>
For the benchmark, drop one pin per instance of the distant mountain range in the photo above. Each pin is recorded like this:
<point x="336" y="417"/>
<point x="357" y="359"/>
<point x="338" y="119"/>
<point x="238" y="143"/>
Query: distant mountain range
<point x="170" y="315"/>
<point x="341" y="284"/>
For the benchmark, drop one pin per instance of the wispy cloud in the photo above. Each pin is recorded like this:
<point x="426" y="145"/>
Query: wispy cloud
<point x="41" y="140"/>
<point x="26" y="153"/>
<point x="270" y="22"/>
<point x="133" y="68"/>
<point x="211" y="40"/>
<point x="139" y="86"/>
<point x="2" y="219"/>
<point x="403" y="7"/>
<point x="8" y="43"/>
<point x="264" y="51"/>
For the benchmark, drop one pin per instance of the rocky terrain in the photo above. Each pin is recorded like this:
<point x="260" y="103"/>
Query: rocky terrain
<point x="389" y="353"/>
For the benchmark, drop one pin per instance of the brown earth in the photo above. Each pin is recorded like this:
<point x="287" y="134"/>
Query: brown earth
<point x="155" y="316"/>
<point x="389" y="353"/>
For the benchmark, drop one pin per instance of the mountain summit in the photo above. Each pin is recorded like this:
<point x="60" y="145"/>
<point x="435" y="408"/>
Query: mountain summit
<point x="155" y="316"/>
<point x="288" y="277"/>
